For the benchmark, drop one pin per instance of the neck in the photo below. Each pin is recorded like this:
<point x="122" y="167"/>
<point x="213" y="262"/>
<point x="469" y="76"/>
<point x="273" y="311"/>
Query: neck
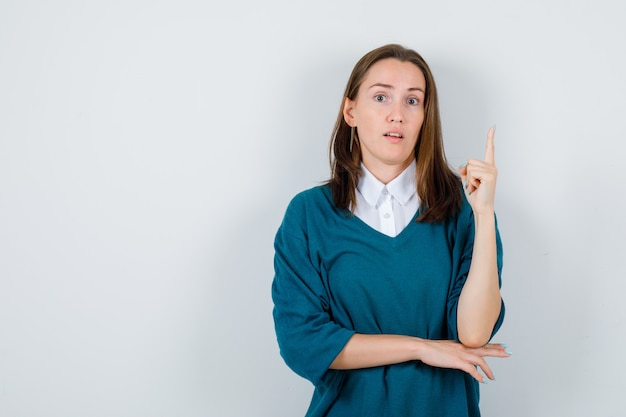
<point x="386" y="173"/>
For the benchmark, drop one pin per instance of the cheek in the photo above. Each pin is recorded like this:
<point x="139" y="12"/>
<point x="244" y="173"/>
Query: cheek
<point x="419" y="122"/>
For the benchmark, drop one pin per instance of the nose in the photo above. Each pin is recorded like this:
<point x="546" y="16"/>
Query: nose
<point x="396" y="115"/>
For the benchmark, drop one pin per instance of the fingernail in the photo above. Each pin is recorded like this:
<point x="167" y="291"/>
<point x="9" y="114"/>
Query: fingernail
<point x="504" y="345"/>
<point x="464" y="184"/>
<point x="485" y="381"/>
<point x="494" y="127"/>
<point x="508" y="352"/>
<point x="463" y="165"/>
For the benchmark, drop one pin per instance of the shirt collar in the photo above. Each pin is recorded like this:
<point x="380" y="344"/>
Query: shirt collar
<point x="402" y="188"/>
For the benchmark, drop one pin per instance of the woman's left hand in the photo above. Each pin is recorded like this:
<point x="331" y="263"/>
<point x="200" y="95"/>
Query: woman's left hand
<point x="479" y="179"/>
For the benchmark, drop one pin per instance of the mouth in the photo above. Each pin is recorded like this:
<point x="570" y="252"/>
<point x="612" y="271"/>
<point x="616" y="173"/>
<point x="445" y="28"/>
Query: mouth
<point x="394" y="137"/>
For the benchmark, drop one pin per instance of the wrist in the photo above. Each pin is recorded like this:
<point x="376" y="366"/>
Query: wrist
<point x="417" y="348"/>
<point x="485" y="217"/>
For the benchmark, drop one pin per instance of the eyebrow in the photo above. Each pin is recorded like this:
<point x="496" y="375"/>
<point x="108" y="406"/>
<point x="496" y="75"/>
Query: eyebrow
<point x="382" y="85"/>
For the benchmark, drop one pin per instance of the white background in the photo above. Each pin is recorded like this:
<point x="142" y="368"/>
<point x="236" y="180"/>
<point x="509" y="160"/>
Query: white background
<point x="148" y="150"/>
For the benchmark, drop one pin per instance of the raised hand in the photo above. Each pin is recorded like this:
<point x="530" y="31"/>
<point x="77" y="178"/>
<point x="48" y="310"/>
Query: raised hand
<point x="479" y="179"/>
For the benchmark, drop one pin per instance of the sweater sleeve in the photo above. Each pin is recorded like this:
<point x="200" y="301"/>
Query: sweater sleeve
<point x="307" y="337"/>
<point x="462" y="255"/>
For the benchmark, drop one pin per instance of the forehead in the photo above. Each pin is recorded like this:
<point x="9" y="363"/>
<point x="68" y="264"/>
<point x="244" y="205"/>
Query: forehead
<point x="395" y="73"/>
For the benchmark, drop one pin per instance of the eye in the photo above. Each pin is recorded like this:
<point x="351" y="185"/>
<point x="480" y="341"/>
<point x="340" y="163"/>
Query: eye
<point x="413" y="101"/>
<point x="380" y="98"/>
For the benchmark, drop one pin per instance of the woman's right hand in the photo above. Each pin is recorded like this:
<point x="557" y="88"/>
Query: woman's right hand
<point x="369" y="350"/>
<point x="453" y="355"/>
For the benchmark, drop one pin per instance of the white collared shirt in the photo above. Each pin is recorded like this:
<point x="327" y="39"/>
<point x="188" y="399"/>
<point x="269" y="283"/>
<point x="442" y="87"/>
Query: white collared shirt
<point x="387" y="208"/>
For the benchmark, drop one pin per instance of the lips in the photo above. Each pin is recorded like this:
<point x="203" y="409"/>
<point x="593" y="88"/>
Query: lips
<point x="394" y="137"/>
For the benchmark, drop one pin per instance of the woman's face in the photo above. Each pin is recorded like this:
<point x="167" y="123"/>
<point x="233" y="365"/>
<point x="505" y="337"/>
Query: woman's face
<point x="388" y="113"/>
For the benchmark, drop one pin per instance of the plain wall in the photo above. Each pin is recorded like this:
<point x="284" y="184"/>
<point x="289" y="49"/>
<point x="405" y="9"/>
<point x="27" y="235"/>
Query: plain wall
<point x="148" y="150"/>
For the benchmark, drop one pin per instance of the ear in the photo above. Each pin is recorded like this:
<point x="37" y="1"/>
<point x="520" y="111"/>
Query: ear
<point x="348" y="112"/>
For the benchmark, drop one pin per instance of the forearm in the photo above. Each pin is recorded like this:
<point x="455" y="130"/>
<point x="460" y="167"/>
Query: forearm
<point x="367" y="351"/>
<point x="370" y="350"/>
<point x="480" y="301"/>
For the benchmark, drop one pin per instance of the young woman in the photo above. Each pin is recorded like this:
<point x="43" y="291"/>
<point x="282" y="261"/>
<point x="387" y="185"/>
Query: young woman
<point x="387" y="278"/>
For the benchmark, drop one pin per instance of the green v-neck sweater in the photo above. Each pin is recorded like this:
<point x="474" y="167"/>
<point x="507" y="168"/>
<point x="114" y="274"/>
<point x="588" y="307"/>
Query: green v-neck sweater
<point x="336" y="276"/>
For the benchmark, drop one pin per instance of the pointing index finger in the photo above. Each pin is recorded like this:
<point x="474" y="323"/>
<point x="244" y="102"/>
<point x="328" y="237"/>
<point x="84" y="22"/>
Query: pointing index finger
<point x="489" y="148"/>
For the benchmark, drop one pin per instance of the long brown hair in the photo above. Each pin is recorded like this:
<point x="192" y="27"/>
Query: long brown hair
<point x="437" y="185"/>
